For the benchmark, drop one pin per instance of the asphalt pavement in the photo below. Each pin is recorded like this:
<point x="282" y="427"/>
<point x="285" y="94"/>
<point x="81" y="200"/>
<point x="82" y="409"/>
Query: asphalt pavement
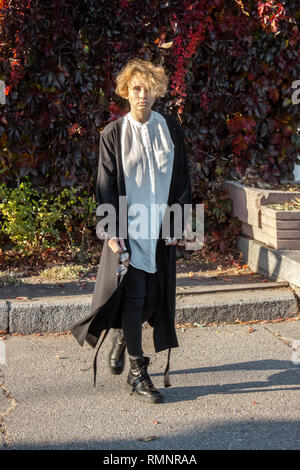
<point x="232" y="387"/>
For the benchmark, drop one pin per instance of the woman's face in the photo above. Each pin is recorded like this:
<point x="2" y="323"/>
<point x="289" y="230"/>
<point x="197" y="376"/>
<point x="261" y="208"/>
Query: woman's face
<point x="140" y="98"/>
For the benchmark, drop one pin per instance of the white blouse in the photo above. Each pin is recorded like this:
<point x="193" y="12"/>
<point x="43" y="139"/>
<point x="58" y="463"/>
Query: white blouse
<point x="147" y="157"/>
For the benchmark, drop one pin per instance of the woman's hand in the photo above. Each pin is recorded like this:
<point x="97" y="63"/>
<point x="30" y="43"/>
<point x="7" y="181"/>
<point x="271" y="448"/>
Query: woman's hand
<point x="171" y="241"/>
<point x="117" y="245"/>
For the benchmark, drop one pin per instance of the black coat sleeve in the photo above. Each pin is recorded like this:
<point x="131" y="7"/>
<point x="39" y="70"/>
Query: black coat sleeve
<point x="106" y="186"/>
<point x="183" y="193"/>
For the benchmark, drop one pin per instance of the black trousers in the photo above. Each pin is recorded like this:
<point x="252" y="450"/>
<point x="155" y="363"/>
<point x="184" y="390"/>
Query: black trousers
<point x="141" y="292"/>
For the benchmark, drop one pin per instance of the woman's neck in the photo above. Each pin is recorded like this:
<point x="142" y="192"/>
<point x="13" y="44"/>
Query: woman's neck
<point x="140" y="116"/>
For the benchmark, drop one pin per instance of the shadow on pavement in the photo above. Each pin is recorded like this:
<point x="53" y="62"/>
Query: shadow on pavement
<point x="288" y="379"/>
<point x="246" y="435"/>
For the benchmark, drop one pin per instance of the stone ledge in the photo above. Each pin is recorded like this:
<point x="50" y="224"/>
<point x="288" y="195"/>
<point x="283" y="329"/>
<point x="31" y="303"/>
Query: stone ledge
<point x="231" y="306"/>
<point x="45" y="316"/>
<point x="277" y="265"/>
<point x="4" y="309"/>
<point x="55" y="316"/>
<point x="247" y="202"/>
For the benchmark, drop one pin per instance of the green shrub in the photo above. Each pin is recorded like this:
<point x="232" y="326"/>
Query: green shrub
<point x="35" y="220"/>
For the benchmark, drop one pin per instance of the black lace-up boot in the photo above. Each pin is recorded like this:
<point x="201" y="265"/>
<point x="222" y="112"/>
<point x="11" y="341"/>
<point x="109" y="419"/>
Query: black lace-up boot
<point x="139" y="382"/>
<point x="116" y="357"/>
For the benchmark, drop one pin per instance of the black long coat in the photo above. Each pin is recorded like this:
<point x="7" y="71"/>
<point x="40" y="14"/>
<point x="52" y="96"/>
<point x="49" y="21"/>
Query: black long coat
<point x="106" y="308"/>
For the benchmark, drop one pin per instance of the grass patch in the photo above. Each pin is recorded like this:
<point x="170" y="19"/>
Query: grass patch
<point x="71" y="272"/>
<point x="8" y="278"/>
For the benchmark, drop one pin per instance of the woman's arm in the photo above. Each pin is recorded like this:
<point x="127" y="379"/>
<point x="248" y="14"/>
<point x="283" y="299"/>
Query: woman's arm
<point x="106" y="187"/>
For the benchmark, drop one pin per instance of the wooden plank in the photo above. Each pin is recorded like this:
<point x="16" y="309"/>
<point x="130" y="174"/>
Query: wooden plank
<point x="280" y="224"/>
<point x="280" y="213"/>
<point x="284" y="244"/>
<point x="281" y="234"/>
<point x="258" y="234"/>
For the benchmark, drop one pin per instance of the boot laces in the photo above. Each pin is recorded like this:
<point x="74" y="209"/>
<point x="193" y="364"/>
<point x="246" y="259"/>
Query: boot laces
<point x="145" y="378"/>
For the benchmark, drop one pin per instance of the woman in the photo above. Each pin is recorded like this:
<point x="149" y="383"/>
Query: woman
<point x="141" y="156"/>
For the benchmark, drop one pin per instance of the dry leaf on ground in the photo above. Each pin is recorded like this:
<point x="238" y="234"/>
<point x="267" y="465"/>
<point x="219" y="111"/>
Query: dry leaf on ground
<point x="149" y="438"/>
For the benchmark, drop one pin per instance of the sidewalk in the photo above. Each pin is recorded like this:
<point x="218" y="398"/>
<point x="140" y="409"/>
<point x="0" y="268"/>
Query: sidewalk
<point x="34" y="307"/>
<point x="232" y="387"/>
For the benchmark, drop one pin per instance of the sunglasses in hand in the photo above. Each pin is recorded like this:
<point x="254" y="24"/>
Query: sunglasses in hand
<point x="123" y="263"/>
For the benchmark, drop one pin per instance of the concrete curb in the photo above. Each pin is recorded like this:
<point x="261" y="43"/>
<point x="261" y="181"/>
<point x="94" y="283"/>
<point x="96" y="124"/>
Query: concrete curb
<point x="47" y="315"/>
<point x="277" y="265"/>
<point x="244" y="305"/>
<point x="4" y="309"/>
<point x="57" y="314"/>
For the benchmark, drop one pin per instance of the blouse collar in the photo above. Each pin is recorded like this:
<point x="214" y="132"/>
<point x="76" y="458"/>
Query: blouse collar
<point x="141" y="124"/>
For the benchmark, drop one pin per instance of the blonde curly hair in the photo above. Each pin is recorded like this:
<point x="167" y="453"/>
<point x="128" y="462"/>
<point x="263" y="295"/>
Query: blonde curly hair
<point x="154" y="77"/>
